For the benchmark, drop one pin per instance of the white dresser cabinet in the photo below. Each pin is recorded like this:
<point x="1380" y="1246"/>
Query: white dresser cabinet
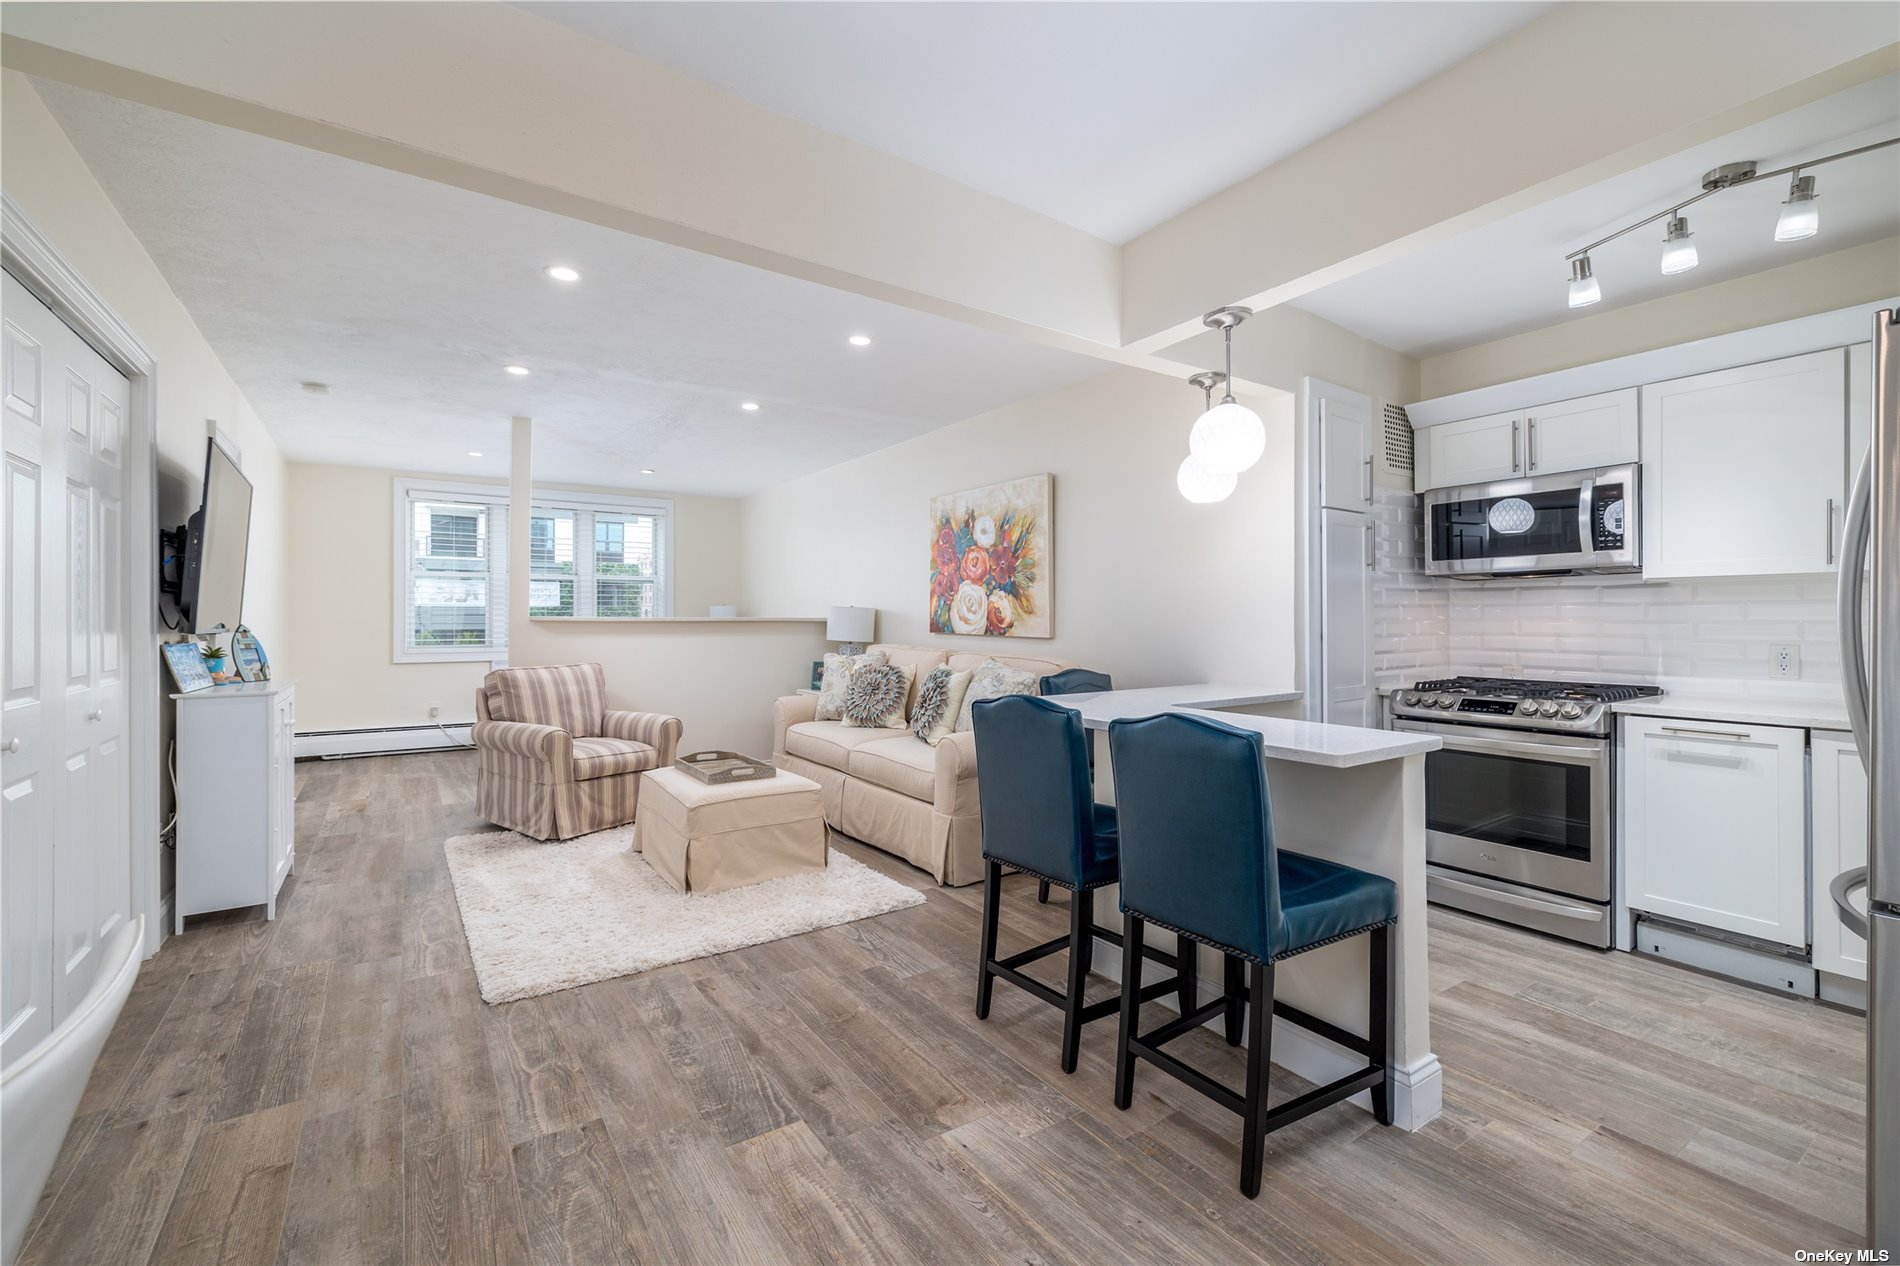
<point x="1715" y="825"/>
<point x="1840" y="843"/>
<point x="1744" y="471"/>
<point x="236" y="794"/>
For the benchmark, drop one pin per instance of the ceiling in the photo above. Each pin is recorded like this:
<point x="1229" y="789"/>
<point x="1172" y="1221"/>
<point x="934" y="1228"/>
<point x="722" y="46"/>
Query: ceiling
<point x="1510" y="276"/>
<point x="408" y="297"/>
<point x="1108" y="117"/>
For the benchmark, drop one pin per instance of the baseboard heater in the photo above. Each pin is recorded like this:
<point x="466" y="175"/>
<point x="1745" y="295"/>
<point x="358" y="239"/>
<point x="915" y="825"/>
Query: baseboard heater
<point x="388" y="741"/>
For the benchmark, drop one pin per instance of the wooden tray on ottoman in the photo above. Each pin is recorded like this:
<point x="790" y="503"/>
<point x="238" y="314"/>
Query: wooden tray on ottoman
<point x="715" y="767"/>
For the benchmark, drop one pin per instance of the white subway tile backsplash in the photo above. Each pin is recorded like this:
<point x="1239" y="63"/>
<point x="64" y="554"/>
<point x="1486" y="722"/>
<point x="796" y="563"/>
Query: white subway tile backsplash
<point x="1579" y="626"/>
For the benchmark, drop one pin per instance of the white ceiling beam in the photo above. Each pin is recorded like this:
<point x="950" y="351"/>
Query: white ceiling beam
<point x="491" y="98"/>
<point x="1582" y="94"/>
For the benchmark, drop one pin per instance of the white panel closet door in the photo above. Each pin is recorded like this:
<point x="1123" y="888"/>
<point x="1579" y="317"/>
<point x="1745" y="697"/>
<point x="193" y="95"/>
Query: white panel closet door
<point x="67" y="784"/>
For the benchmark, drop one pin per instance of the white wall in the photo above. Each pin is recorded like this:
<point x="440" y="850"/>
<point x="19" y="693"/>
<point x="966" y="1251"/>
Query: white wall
<point x="44" y="174"/>
<point x="1148" y="587"/>
<point x="343" y="557"/>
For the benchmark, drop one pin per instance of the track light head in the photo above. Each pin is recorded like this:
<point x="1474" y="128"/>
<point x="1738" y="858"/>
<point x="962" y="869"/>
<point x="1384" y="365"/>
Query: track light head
<point x="1584" y="290"/>
<point x="1679" y="253"/>
<point x="1800" y="218"/>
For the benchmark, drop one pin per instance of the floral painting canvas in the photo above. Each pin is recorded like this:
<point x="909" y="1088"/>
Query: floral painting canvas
<point x="992" y="572"/>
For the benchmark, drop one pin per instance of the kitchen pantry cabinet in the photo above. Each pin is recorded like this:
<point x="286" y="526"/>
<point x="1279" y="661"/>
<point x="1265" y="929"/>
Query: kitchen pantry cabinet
<point x="1715" y="825"/>
<point x="236" y="796"/>
<point x="1580" y="434"/>
<point x="1744" y="470"/>
<point x="1840" y="843"/>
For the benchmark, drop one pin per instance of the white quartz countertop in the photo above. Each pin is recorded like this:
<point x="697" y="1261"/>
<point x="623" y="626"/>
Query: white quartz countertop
<point x="1335" y="746"/>
<point x="1806" y="714"/>
<point x="1102" y="706"/>
<point x="1305" y="742"/>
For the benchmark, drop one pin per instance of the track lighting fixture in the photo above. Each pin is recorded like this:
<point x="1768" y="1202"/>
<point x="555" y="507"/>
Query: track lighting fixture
<point x="1584" y="290"/>
<point x="1799" y="219"/>
<point x="1679" y="254"/>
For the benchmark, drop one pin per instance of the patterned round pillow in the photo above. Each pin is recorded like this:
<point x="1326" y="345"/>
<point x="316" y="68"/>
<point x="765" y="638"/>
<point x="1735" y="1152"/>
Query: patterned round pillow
<point x="933" y="700"/>
<point x="873" y="694"/>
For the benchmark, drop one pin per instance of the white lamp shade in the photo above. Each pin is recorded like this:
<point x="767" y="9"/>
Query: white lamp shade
<point x="1201" y="485"/>
<point x="1799" y="219"/>
<point x="851" y="624"/>
<point x="1679" y="254"/>
<point x="1584" y="291"/>
<point x="1228" y="438"/>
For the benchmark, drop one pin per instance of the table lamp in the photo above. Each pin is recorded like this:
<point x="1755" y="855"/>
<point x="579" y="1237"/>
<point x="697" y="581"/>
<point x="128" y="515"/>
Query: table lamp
<point x="851" y="627"/>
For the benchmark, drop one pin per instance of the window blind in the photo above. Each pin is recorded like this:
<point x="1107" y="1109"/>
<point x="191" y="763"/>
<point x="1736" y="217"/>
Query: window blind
<point x="455" y="578"/>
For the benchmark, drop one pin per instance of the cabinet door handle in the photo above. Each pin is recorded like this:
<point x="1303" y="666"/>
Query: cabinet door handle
<point x="1514" y="458"/>
<point x="13" y="745"/>
<point x="1530" y="444"/>
<point x="1371" y="549"/>
<point x="94" y="715"/>
<point x="1715" y="734"/>
<point x="1830" y="531"/>
<point x="1368" y="481"/>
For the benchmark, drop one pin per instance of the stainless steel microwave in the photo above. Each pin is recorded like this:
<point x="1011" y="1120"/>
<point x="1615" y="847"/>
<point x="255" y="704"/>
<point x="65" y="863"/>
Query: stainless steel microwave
<point x="1549" y="525"/>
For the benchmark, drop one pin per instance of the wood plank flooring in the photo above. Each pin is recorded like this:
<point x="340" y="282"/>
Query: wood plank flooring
<point x="329" y="1088"/>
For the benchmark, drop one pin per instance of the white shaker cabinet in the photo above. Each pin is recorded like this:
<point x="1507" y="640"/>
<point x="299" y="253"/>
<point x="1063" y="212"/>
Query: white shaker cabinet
<point x="1743" y="470"/>
<point x="1582" y="434"/>
<point x="1475" y="451"/>
<point x="236" y="796"/>
<point x="1715" y="825"/>
<point x="1840" y="843"/>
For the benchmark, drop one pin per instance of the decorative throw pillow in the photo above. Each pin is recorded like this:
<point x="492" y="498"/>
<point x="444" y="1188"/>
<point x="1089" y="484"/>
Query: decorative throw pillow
<point x="838" y="669"/>
<point x="991" y="680"/>
<point x="874" y="698"/>
<point x="938" y="700"/>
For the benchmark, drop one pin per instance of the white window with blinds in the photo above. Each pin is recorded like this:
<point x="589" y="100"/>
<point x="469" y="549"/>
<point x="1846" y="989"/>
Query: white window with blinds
<point x="590" y="556"/>
<point x="451" y="571"/>
<point x="597" y="557"/>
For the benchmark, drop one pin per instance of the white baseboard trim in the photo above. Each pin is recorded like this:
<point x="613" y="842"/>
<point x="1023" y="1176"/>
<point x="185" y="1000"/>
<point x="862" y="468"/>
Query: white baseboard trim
<point x="401" y="738"/>
<point x="1418" y="1091"/>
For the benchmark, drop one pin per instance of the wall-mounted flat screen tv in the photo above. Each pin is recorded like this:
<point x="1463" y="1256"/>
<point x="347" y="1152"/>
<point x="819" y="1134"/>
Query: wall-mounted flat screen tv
<point x="217" y="545"/>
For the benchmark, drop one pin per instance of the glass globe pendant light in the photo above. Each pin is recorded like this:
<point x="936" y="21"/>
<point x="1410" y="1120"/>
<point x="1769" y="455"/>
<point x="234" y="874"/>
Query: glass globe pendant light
<point x="1229" y="437"/>
<point x="1194" y="480"/>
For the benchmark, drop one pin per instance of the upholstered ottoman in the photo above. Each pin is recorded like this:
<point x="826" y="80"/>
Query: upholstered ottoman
<point x="710" y="838"/>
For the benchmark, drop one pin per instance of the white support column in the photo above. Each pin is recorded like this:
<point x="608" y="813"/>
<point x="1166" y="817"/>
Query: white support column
<point x="520" y="504"/>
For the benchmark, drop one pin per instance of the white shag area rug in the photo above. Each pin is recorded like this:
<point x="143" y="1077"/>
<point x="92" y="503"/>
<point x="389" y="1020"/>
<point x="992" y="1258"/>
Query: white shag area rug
<point x="541" y="917"/>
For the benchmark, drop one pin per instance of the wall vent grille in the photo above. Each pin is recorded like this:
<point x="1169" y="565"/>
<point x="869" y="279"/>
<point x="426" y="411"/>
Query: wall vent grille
<point x="1397" y="440"/>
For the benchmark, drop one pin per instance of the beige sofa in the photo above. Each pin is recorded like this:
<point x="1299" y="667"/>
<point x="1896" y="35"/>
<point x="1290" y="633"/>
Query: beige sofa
<point x="890" y="788"/>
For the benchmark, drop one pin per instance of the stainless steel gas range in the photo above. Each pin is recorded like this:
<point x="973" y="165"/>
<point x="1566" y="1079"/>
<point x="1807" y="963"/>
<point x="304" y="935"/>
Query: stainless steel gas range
<point x="1520" y="800"/>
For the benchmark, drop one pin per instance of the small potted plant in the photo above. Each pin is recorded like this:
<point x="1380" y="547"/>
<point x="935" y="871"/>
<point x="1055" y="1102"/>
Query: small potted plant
<point x="215" y="662"/>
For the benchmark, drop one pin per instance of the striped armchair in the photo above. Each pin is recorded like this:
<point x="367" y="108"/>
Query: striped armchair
<point x="556" y="761"/>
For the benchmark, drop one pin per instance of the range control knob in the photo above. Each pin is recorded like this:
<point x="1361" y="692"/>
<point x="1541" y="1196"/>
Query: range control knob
<point x="1447" y="701"/>
<point x="1570" y="711"/>
<point x="1548" y="708"/>
<point x="1527" y="708"/>
<point x="1409" y="698"/>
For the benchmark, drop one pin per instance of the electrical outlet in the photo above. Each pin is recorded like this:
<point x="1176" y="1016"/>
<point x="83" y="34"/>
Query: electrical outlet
<point x="435" y="710"/>
<point x="1786" y="659"/>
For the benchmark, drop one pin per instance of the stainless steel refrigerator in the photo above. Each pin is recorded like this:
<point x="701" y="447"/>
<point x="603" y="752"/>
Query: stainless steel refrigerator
<point x="1870" y="656"/>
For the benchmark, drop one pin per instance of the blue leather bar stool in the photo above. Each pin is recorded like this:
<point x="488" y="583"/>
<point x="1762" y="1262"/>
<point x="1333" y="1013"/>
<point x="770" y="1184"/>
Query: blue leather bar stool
<point x="1040" y="816"/>
<point x="1198" y="858"/>
<point x="1073" y="681"/>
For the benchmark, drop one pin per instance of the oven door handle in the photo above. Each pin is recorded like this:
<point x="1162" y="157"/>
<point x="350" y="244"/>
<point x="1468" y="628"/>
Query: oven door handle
<point x="1563" y="754"/>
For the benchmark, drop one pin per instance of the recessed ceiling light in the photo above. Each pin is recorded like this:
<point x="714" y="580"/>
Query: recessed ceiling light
<point x="860" y="340"/>
<point x="750" y="406"/>
<point x="561" y="272"/>
<point x="519" y="371"/>
<point x="646" y="470"/>
<point x="474" y="452"/>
